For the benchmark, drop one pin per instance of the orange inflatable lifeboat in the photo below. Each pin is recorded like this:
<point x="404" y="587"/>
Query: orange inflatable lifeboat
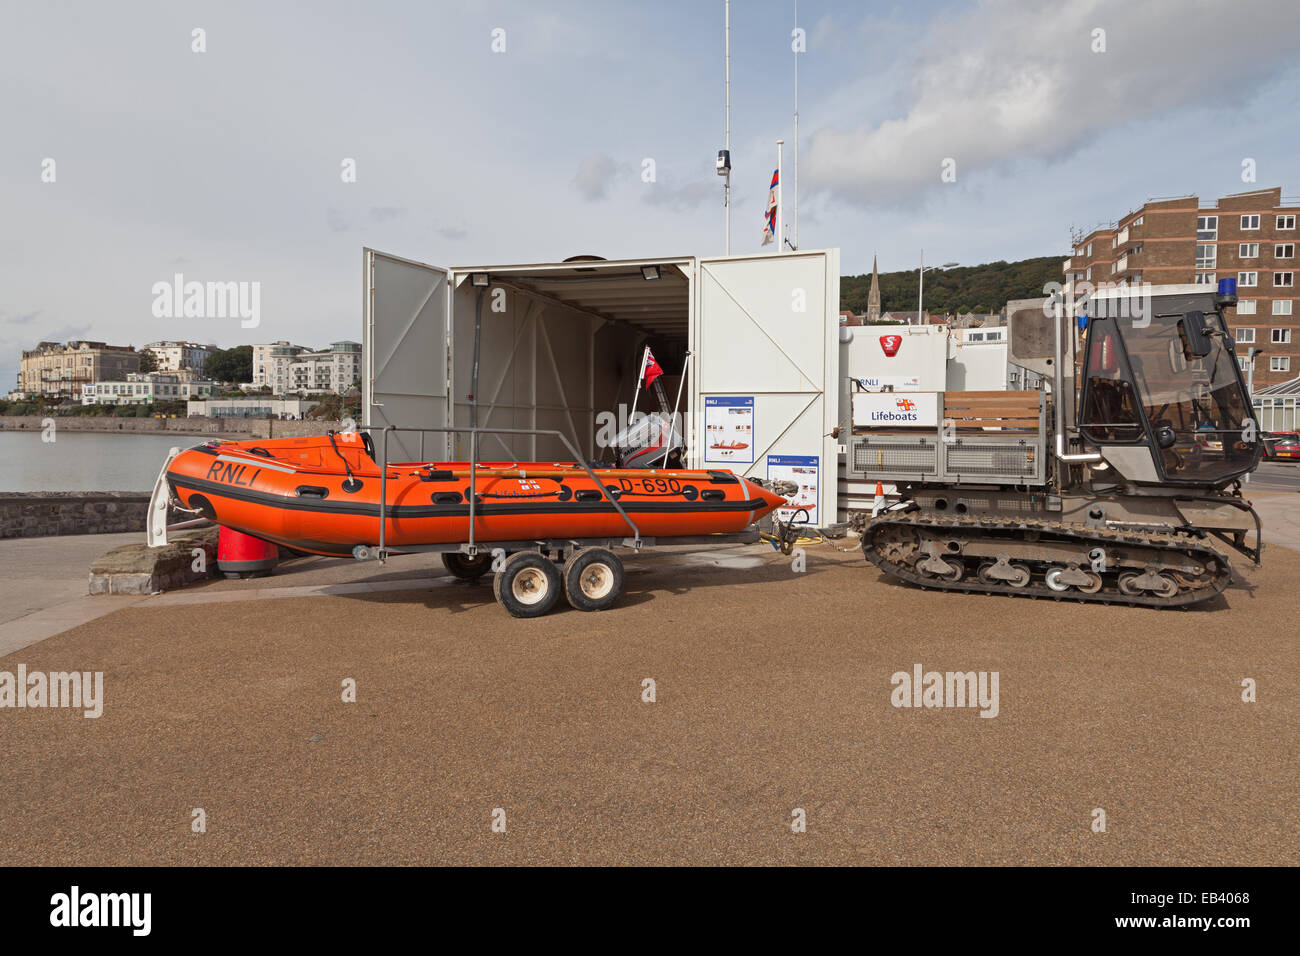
<point x="322" y="495"/>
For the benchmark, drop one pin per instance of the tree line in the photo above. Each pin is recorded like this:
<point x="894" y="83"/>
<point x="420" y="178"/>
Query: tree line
<point x="982" y="288"/>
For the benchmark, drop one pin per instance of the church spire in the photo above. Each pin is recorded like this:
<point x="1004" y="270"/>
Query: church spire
<point x="873" y="297"/>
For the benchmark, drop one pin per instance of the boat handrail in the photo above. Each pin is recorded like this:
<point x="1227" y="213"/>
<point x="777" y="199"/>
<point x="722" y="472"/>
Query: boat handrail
<point x="474" y="432"/>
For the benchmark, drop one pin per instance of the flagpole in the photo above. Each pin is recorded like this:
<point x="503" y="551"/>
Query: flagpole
<point x="727" y="186"/>
<point x="780" y="190"/>
<point x="672" y="422"/>
<point x="795" y="244"/>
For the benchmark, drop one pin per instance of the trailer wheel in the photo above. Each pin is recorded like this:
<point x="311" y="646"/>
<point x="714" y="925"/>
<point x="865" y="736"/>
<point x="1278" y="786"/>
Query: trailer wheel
<point x="528" y="585"/>
<point x="467" y="568"/>
<point x="593" y="579"/>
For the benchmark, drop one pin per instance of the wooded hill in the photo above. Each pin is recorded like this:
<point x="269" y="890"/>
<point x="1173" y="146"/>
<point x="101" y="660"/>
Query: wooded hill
<point x="983" y="288"/>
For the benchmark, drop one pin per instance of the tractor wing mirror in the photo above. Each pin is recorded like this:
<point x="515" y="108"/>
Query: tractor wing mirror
<point x="1195" y="334"/>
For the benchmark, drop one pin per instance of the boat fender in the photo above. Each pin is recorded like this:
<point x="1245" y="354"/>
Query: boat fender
<point x="436" y="474"/>
<point x="722" y="478"/>
<point x="588" y="494"/>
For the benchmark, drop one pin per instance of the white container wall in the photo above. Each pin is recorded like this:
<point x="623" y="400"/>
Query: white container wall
<point x="560" y="344"/>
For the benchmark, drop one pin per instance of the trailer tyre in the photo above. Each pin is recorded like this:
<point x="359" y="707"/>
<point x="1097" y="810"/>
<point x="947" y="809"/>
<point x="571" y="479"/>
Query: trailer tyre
<point x="528" y="585"/>
<point x="467" y="568"/>
<point x="593" y="579"/>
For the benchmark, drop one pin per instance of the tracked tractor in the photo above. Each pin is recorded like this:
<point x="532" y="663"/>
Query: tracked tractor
<point x="1110" y="487"/>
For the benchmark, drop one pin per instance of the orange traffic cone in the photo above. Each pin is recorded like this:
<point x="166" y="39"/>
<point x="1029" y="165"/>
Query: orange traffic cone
<point x="880" y="500"/>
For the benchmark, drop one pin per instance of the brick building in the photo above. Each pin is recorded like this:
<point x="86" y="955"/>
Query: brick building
<point x="1249" y="236"/>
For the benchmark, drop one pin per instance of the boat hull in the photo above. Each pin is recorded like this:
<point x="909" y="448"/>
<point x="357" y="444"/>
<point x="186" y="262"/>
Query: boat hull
<point x="296" y="492"/>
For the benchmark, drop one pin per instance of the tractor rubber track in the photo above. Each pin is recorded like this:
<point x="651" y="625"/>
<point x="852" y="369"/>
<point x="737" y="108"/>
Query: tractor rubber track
<point x="1017" y="531"/>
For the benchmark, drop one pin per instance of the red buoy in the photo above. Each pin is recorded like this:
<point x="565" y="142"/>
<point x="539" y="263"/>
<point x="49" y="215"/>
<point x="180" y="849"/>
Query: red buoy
<point x="243" y="556"/>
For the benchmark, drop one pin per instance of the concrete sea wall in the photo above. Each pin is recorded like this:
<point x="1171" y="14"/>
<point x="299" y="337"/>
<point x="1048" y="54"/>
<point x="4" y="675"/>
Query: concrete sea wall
<point x="40" y="513"/>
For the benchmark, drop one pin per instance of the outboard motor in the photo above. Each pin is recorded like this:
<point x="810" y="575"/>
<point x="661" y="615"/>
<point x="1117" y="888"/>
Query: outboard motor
<point x="643" y="443"/>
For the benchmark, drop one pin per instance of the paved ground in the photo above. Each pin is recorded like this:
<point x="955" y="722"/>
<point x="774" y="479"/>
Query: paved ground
<point x="42" y="573"/>
<point x="43" y="588"/>
<point x="773" y="693"/>
<point x="1275" y="476"/>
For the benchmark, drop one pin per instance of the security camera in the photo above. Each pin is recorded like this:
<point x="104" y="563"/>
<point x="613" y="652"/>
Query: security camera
<point x="724" y="162"/>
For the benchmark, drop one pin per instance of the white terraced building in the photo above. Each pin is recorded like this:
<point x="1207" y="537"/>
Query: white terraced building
<point x="145" y="389"/>
<point x="174" y="356"/>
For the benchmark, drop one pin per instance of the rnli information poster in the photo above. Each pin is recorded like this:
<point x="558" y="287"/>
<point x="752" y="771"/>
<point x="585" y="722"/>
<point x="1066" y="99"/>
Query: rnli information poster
<point x="729" y="429"/>
<point x="802" y="470"/>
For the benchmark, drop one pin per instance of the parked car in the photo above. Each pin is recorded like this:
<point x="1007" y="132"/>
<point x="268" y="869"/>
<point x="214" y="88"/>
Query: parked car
<point x="1282" y="446"/>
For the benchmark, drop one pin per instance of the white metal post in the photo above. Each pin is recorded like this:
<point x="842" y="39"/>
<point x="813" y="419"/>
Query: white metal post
<point x="672" y="422"/>
<point x="640" y="377"/>
<point x="920" y="290"/>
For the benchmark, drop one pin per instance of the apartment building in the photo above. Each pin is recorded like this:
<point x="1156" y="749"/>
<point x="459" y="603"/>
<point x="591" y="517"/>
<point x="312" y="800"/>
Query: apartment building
<point x="174" y="356"/>
<point x="56" y="370"/>
<point x="331" y="370"/>
<point x="271" y="365"/>
<point x="285" y="368"/>
<point x="1250" y="236"/>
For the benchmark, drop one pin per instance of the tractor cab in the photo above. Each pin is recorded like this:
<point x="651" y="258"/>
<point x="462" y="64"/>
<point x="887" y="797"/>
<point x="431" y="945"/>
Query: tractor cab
<point x="1162" y="396"/>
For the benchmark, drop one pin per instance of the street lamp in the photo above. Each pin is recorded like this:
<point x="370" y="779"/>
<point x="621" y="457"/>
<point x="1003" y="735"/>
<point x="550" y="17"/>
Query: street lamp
<point x="920" y="291"/>
<point x="1250" y="370"/>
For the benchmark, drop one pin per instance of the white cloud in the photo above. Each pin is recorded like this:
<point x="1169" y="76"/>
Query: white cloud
<point x="1013" y="80"/>
<point x="685" y="196"/>
<point x="596" y="174"/>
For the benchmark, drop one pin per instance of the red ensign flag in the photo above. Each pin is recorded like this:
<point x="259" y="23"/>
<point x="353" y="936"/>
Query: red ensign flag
<point x="652" y="369"/>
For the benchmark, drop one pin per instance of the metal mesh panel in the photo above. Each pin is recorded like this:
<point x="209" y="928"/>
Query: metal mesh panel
<point x="903" y="459"/>
<point x="991" y="459"/>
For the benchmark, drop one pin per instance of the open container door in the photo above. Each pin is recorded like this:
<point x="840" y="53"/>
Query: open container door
<point x="406" y="375"/>
<point x="767" y="370"/>
<point x="560" y="349"/>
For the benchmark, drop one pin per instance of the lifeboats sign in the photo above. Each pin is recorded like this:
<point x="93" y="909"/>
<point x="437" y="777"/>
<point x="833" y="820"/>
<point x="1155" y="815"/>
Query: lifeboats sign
<point x="892" y="409"/>
<point x="729" y="428"/>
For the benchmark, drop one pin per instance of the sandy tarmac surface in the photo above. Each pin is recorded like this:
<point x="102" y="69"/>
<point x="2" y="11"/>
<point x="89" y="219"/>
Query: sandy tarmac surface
<point x="772" y="693"/>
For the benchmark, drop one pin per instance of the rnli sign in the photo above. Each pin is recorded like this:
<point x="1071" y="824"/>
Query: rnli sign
<point x="889" y="344"/>
<point x="875" y="383"/>
<point x="892" y="409"/>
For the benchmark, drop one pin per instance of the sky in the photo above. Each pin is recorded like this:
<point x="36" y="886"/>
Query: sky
<point x="502" y="132"/>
